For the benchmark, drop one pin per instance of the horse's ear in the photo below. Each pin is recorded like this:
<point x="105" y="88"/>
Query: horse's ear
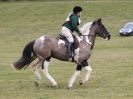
<point x="94" y="22"/>
<point x="99" y="20"/>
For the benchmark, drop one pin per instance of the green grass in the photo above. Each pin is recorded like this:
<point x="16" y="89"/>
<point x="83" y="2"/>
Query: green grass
<point x="111" y="61"/>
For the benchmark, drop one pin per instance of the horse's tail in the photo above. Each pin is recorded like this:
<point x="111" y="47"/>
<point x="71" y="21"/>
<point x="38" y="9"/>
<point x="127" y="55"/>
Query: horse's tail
<point x="27" y="57"/>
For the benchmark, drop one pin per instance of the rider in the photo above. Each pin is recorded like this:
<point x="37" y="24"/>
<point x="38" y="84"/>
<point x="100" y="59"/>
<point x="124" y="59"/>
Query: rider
<point x="70" y="25"/>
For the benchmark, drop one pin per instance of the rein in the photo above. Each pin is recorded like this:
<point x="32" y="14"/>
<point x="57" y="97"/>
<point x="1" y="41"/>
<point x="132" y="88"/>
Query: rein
<point x="88" y="35"/>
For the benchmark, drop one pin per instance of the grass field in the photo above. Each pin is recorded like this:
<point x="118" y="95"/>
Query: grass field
<point x="111" y="61"/>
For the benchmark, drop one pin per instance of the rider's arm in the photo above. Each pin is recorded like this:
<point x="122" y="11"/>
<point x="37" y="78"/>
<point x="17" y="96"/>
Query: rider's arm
<point x="74" y="22"/>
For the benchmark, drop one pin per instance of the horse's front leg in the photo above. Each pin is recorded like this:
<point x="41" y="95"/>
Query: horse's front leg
<point x="75" y="75"/>
<point x="88" y="73"/>
<point x="48" y="76"/>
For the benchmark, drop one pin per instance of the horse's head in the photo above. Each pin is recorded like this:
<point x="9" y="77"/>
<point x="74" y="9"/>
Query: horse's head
<point x="100" y="29"/>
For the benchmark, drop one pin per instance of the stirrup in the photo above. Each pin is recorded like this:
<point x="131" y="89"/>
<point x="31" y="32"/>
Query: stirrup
<point x="70" y="57"/>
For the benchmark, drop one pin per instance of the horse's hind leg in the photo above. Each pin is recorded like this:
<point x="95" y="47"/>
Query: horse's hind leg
<point x="46" y="73"/>
<point x="35" y="68"/>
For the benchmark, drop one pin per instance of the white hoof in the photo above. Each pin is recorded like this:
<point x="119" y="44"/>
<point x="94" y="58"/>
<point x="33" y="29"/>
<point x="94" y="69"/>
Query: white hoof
<point x="81" y="82"/>
<point x="55" y="86"/>
<point x="69" y="87"/>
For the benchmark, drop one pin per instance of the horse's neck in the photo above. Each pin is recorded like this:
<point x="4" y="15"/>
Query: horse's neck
<point x="93" y="41"/>
<point x="88" y="34"/>
<point x="90" y="41"/>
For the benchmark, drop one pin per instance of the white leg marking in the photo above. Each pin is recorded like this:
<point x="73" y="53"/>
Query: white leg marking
<point x="73" y="78"/>
<point x="77" y="55"/>
<point x="48" y="76"/>
<point x="38" y="77"/>
<point x="36" y="71"/>
<point x="37" y="74"/>
<point x="88" y="74"/>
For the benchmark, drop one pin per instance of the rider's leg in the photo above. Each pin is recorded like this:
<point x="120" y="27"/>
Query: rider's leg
<point x="69" y="52"/>
<point x="68" y="35"/>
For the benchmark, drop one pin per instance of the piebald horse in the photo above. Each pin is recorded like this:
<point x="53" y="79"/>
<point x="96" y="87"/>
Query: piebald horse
<point x="46" y="47"/>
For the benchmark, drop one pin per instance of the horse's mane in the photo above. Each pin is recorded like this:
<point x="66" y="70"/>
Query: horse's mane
<point x="86" y="27"/>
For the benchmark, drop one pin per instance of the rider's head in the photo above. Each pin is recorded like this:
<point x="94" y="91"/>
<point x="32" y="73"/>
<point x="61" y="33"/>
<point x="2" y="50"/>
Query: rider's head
<point x="77" y="10"/>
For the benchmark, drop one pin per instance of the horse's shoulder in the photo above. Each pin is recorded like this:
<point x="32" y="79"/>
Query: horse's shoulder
<point x="79" y="39"/>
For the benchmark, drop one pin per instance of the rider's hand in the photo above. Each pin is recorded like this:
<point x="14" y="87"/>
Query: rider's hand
<point x="79" y="34"/>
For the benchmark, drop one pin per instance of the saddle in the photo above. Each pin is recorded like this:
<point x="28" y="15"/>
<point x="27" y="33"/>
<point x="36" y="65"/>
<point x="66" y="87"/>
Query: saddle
<point x="75" y="43"/>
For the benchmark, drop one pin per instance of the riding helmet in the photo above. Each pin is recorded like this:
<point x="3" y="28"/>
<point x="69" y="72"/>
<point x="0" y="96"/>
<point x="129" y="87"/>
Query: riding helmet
<point x="77" y="9"/>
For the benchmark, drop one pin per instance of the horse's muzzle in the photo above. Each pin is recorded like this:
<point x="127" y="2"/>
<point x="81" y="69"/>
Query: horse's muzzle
<point x="108" y="37"/>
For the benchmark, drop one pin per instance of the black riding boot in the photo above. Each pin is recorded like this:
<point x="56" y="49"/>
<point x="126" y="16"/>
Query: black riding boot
<point x="69" y="52"/>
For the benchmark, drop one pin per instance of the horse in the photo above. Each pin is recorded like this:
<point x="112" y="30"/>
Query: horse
<point x="45" y="47"/>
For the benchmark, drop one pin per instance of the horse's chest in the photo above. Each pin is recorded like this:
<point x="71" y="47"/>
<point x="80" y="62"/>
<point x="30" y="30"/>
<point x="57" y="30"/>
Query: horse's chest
<point x="81" y="53"/>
